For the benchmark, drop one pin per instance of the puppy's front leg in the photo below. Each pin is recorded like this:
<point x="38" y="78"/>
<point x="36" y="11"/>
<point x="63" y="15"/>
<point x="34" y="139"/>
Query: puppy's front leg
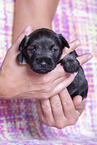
<point x="70" y="63"/>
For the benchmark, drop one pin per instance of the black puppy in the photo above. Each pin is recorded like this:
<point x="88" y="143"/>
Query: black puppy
<point x="42" y="50"/>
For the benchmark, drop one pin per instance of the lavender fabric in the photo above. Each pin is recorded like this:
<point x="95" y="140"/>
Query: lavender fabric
<point x="19" y="121"/>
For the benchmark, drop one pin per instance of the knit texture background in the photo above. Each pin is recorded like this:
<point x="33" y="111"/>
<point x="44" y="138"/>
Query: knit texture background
<point x="19" y="122"/>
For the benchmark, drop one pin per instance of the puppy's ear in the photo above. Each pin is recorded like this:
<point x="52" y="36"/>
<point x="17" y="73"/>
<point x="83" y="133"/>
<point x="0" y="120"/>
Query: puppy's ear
<point x="63" y="41"/>
<point x="24" y="43"/>
<point x="21" y="59"/>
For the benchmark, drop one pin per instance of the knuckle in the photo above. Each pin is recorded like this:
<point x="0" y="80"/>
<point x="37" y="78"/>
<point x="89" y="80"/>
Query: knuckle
<point x="68" y="105"/>
<point x="45" y="107"/>
<point x="60" y="125"/>
<point x="55" y="105"/>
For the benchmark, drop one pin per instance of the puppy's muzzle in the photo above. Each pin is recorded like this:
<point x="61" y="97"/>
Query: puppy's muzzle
<point x="43" y="65"/>
<point x="43" y="61"/>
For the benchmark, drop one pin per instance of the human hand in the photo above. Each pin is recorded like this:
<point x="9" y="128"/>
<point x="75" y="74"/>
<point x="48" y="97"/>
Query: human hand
<point x="60" y="111"/>
<point x="19" y="81"/>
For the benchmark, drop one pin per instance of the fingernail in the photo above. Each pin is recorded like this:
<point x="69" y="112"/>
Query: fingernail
<point x="78" y="42"/>
<point x="28" y="29"/>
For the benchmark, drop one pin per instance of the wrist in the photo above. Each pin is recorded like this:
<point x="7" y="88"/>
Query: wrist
<point x="5" y="88"/>
<point x="41" y="25"/>
<point x="25" y="14"/>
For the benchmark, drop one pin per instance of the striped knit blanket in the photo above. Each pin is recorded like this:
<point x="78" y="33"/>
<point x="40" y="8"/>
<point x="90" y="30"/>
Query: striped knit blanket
<point x="19" y="122"/>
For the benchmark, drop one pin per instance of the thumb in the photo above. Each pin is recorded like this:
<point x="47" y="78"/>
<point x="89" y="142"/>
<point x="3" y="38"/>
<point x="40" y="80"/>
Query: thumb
<point x="79" y="104"/>
<point x="15" y="45"/>
<point x="77" y="100"/>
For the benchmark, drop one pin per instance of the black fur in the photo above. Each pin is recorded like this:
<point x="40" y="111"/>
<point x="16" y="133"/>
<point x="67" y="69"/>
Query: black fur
<point x="42" y="50"/>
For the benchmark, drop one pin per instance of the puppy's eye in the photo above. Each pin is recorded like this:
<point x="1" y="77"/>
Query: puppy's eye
<point x="54" y="48"/>
<point x="31" y="49"/>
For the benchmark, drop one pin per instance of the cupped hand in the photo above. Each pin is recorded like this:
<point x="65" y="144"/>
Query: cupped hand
<point x="19" y="81"/>
<point x="60" y="111"/>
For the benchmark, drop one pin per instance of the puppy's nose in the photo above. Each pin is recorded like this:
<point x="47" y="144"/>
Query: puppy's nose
<point x="43" y="61"/>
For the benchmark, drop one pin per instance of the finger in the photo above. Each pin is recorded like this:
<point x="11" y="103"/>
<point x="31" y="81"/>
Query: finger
<point x="84" y="58"/>
<point x="57" y="73"/>
<point x="68" y="106"/>
<point x="77" y="100"/>
<point x="63" y="84"/>
<point x="57" y="110"/>
<point x="79" y="104"/>
<point x="53" y="91"/>
<point x="47" y="112"/>
<point x="26" y="31"/>
<point x="80" y="108"/>
<point x="73" y="45"/>
<point x="45" y="88"/>
<point x="54" y="84"/>
<point x="40" y="113"/>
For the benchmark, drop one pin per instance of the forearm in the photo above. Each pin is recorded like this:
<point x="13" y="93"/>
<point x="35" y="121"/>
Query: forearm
<point x="37" y="13"/>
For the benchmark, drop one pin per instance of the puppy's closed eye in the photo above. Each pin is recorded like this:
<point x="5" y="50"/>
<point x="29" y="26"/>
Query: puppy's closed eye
<point x="31" y="49"/>
<point x="54" y="48"/>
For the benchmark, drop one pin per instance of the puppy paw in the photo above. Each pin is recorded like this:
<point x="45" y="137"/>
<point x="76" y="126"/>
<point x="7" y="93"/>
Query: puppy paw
<point x="70" y="64"/>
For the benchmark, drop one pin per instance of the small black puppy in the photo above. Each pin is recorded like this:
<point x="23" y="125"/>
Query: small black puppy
<point x="42" y="50"/>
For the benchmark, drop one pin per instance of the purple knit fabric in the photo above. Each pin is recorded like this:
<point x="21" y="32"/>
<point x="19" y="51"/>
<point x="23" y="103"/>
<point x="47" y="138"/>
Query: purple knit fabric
<point x="19" y="121"/>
